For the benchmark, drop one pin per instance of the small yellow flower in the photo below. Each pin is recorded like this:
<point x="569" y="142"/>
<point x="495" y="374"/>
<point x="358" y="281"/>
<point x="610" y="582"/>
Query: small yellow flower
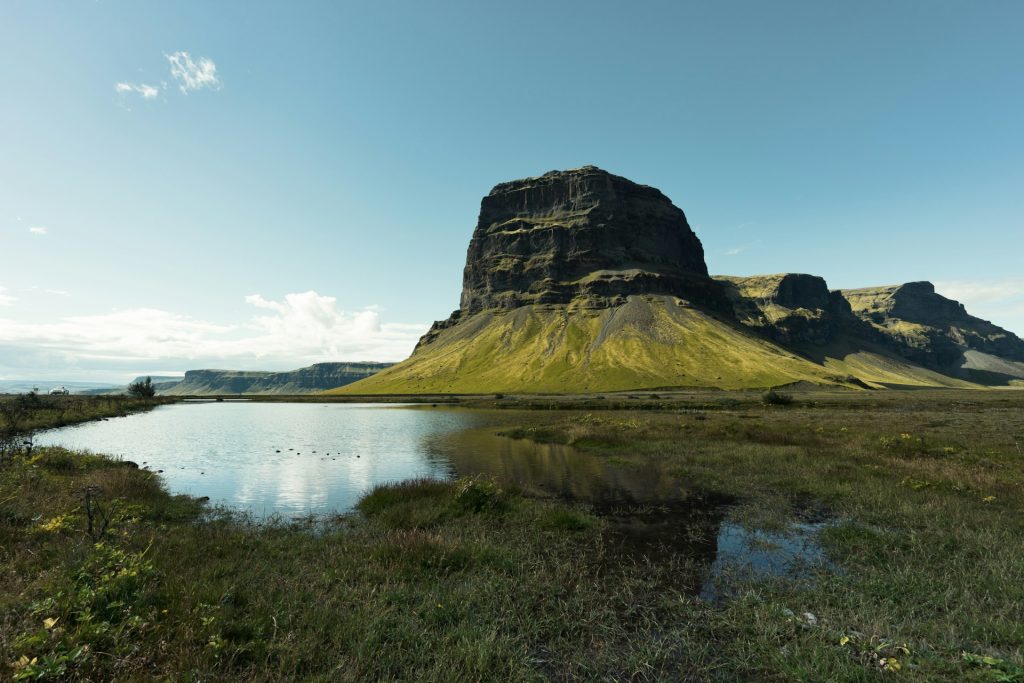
<point x="843" y="641"/>
<point x="24" y="662"/>
<point x="988" y="499"/>
<point x="904" y="435"/>
<point x="54" y="525"/>
<point x="890" y="664"/>
<point x="50" y="622"/>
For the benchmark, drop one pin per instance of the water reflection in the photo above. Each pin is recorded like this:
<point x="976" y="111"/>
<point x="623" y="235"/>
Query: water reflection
<point x="649" y="513"/>
<point x="554" y="470"/>
<point x="265" y="458"/>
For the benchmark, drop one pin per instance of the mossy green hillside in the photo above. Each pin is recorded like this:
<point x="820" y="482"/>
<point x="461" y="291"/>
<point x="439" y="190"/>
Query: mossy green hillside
<point x="649" y="342"/>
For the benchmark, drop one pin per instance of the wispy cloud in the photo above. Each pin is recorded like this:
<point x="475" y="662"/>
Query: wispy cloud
<point x="300" y="329"/>
<point x="193" y="74"/>
<point x="741" y="248"/>
<point x="144" y="90"/>
<point x="189" y="74"/>
<point x="6" y="299"/>
<point x="39" y="230"/>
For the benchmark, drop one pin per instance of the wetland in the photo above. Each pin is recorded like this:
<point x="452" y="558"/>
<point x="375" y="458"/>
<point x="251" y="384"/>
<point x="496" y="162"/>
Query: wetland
<point x="846" y="536"/>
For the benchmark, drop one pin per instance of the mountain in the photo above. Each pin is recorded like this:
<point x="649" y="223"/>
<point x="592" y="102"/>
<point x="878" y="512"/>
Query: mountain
<point x="584" y="281"/>
<point x="309" y="380"/>
<point x="939" y="333"/>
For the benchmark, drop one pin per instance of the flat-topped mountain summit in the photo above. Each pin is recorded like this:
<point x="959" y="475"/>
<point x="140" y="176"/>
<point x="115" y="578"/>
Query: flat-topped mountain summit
<point x="584" y="281"/>
<point x="581" y="235"/>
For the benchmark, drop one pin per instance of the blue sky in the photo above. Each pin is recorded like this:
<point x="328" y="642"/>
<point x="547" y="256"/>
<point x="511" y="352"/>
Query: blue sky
<point x="264" y="185"/>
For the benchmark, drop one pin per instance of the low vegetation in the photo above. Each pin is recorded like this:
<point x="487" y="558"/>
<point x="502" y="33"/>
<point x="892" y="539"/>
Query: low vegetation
<point x="22" y="415"/>
<point x="468" y="580"/>
<point x="142" y="388"/>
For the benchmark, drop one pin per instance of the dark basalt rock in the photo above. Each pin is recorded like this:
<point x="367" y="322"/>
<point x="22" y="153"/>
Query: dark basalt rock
<point x="929" y="329"/>
<point x="792" y="308"/>
<point x="582" y="235"/>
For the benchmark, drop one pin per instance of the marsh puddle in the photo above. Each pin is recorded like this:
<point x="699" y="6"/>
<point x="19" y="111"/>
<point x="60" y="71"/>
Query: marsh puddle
<point x="749" y="555"/>
<point x="650" y="515"/>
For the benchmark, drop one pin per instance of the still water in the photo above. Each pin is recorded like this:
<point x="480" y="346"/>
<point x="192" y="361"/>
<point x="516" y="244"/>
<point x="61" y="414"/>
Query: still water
<point x="264" y="458"/>
<point x="298" y="459"/>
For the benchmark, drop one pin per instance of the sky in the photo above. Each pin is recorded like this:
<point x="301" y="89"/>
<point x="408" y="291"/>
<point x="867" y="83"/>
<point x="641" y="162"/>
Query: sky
<point x="263" y="185"/>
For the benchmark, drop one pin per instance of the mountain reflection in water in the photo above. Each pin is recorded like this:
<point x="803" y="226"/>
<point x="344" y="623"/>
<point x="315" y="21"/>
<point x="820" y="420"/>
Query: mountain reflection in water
<point x="650" y="514"/>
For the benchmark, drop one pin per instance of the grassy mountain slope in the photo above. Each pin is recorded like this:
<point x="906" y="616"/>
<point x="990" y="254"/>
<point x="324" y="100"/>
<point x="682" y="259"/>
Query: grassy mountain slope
<point x="649" y="342"/>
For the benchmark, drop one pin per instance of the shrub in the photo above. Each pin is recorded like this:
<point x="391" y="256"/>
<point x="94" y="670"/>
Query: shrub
<point x="477" y="494"/>
<point x="143" y="388"/>
<point x="776" y="398"/>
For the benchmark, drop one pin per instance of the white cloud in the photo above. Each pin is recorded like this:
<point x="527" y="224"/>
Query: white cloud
<point x="6" y="299"/>
<point x="39" y="230"/>
<point x="193" y="74"/>
<point x="998" y="300"/>
<point x="983" y="292"/>
<point x="301" y="329"/>
<point x="147" y="92"/>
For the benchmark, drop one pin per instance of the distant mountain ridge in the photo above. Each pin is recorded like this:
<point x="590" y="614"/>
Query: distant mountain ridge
<point x="308" y="380"/>
<point x="584" y="281"/>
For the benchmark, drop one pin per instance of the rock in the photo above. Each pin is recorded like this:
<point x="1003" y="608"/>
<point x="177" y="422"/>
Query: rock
<point x="582" y="281"/>
<point x="582" y="234"/>
<point x="791" y="308"/>
<point x="317" y="377"/>
<point x="916" y="322"/>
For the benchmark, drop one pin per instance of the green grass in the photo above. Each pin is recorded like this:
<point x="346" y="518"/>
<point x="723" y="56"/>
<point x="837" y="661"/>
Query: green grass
<point x="466" y="580"/>
<point x="29" y="412"/>
<point x="931" y="541"/>
<point x="651" y="342"/>
<point x="481" y="586"/>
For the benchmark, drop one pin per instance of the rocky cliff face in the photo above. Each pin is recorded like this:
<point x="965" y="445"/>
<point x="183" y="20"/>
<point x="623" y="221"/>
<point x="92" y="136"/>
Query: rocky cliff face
<point x="930" y="329"/>
<point x="312" y="379"/>
<point x="792" y="308"/>
<point x="583" y="281"/>
<point x="582" y="235"/>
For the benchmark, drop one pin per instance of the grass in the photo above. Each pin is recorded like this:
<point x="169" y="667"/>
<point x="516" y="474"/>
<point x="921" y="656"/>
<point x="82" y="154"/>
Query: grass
<point x="932" y="539"/>
<point x="467" y="580"/>
<point x="441" y="581"/>
<point x="30" y="412"/>
<point x="650" y="342"/>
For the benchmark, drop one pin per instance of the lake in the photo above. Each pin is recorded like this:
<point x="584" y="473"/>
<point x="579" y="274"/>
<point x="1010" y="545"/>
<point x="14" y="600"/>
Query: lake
<point x="264" y="458"/>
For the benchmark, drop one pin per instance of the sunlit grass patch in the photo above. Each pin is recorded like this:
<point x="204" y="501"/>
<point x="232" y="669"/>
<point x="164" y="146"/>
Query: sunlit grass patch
<point x="567" y="519"/>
